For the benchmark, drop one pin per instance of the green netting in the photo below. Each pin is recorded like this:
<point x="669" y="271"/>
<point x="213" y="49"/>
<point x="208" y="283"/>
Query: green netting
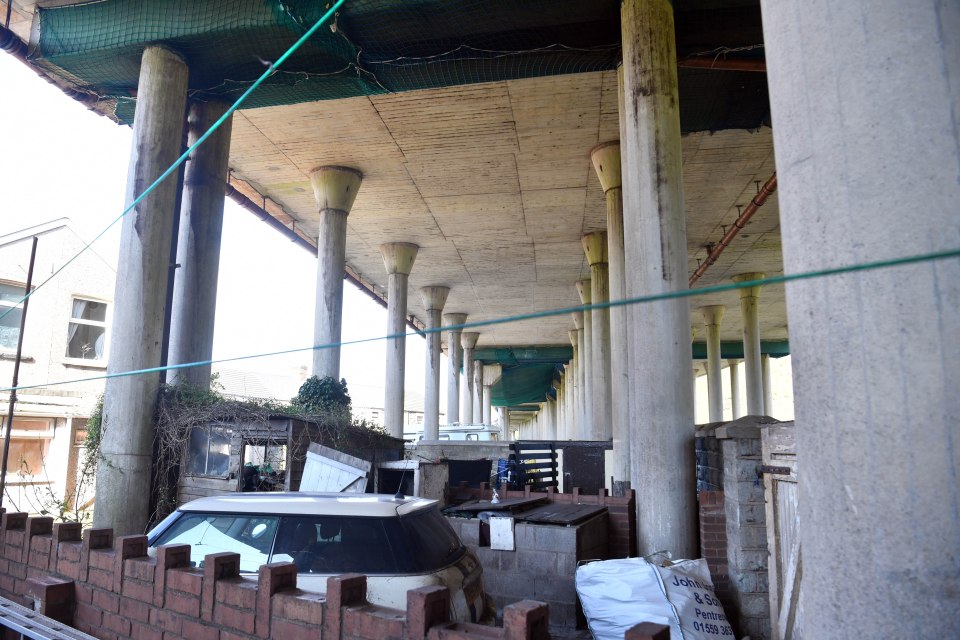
<point x="523" y="383"/>
<point x="373" y="46"/>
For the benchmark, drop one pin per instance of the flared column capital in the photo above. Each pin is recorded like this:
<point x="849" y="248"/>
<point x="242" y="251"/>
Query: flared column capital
<point x="606" y="162"/>
<point x="398" y="257"/>
<point x="434" y="297"/>
<point x="335" y="187"/>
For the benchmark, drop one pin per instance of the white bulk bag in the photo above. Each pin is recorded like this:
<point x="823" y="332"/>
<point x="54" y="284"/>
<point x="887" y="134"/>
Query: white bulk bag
<point x="618" y="594"/>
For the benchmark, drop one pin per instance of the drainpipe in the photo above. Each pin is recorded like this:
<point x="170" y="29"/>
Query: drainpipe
<point x="758" y="201"/>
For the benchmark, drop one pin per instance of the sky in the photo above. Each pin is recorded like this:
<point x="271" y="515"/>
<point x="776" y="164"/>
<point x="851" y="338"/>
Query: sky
<point x="58" y="159"/>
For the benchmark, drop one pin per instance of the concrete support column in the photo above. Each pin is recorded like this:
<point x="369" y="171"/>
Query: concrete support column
<point x="595" y="248"/>
<point x="734" y="367"/>
<point x="198" y="246"/>
<point x="469" y="342"/>
<point x="454" y="361"/>
<point x="655" y="244"/>
<point x="491" y="375"/>
<point x="587" y="361"/>
<point x="504" y="424"/>
<point x="138" y="307"/>
<point x="398" y="259"/>
<point x="433" y="300"/>
<point x="478" y="392"/>
<point x="712" y="316"/>
<point x="882" y="145"/>
<point x="606" y="162"/>
<point x="749" y="302"/>
<point x="582" y="390"/>
<point x="576" y="399"/>
<point x="767" y="390"/>
<point x="335" y="189"/>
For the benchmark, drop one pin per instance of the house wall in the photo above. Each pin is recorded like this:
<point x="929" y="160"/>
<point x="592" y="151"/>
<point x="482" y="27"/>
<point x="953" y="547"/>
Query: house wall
<point x="64" y="407"/>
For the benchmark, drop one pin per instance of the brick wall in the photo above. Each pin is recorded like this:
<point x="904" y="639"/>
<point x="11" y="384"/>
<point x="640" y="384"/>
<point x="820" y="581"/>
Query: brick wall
<point x="745" y="511"/>
<point x="713" y="546"/>
<point x="110" y="589"/>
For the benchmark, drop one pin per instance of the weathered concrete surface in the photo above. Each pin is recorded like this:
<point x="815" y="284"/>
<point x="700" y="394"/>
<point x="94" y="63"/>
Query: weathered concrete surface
<point x="749" y="310"/>
<point x="433" y="300"/>
<point x="867" y="154"/>
<point x="454" y="362"/>
<point x="398" y="259"/>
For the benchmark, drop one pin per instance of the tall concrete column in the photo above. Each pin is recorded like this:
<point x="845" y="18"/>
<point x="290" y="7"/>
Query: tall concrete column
<point x="583" y="412"/>
<point x="478" y="392"/>
<point x="576" y="411"/>
<point x="335" y="189"/>
<point x="655" y="245"/>
<point x="877" y="443"/>
<point x="595" y="248"/>
<point x="767" y="390"/>
<point x="606" y="163"/>
<point x="138" y="308"/>
<point x="469" y="342"/>
<point x="587" y="361"/>
<point x="398" y="259"/>
<point x="504" y="424"/>
<point x="749" y="300"/>
<point x="198" y="246"/>
<point x="433" y="300"/>
<point x="491" y="375"/>
<point x="454" y="360"/>
<point x="712" y="316"/>
<point x="734" y="367"/>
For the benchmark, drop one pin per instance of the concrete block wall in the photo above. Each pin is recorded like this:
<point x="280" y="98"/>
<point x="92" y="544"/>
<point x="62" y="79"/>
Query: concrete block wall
<point x="110" y="589"/>
<point x="542" y="566"/>
<point x="746" y="531"/>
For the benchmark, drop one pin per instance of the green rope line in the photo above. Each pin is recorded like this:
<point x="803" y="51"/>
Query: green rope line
<point x="183" y="157"/>
<point x="670" y="295"/>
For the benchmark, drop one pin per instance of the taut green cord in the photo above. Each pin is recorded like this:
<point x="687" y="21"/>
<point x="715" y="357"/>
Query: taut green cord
<point x="670" y="295"/>
<point x="183" y="157"/>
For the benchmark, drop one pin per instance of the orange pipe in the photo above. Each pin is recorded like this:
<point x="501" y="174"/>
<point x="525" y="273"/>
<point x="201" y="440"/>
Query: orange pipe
<point x="758" y="201"/>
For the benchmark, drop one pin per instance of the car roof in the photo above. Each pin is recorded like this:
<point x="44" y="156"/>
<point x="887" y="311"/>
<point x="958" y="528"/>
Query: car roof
<point x="309" y="503"/>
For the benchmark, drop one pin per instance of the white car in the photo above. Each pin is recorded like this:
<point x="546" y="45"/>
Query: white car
<point x="398" y="543"/>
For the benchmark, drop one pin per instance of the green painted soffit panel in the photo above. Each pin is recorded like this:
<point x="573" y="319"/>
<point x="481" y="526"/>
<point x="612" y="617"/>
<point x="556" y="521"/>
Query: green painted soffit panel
<point x="522" y="383"/>
<point x="777" y="349"/>
<point x="528" y="355"/>
<point x="386" y="46"/>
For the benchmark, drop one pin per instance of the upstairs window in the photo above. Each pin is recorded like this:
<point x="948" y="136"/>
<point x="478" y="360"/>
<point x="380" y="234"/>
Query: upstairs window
<point x="87" y="330"/>
<point x="10" y="295"/>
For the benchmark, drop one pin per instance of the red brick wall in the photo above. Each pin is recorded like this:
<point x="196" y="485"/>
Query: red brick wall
<point x="713" y="544"/>
<point x="110" y="589"/>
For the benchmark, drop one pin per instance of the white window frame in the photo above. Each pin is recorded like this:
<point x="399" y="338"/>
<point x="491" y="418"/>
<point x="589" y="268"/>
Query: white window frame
<point x="6" y="304"/>
<point x="102" y="362"/>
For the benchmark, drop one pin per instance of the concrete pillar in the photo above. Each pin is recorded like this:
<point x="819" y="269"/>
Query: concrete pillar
<point x="693" y="387"/>
<point x="767" y="390"/>
<point x="595" y="248"/>
<point x="478" y="392"/>
<point x="398" y="259"/>
<point x="606" y="163"/>
<point x="335" y="189"/>
<point x="469" y="342"/>
<point x="433" y="300"/>
<point x="734" y="367"/>
<point x="576" y="407"/>
<point x="587" y="362"/>
<point x="877" y="444"/>
<point x="198" y="246"/>
<point x="504" y="423"/>
<point x="582" y="392"/>
<point x="655" y="245"/>
<point x="749" y="299"/>
<point x="454" y="361"/>
<point x="712" y="316"/>
<point x="138" y="308"/>
<point x="491" y="375"/>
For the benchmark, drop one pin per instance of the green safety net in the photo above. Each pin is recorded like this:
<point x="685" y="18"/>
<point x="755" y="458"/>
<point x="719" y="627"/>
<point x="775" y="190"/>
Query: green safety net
<point x="523" y="383"/>
<point x="371" y="47"/>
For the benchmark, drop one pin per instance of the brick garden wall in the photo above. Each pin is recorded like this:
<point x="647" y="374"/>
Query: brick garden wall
<point x="111" y="590"/>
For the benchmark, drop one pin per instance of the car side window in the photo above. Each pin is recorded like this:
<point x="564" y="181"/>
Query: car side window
<point x="249" y="535"/>
<point x="332" y="544"/>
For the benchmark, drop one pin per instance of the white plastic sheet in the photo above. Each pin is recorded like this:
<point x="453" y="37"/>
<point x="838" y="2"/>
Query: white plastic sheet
<point x="618" y="594"/>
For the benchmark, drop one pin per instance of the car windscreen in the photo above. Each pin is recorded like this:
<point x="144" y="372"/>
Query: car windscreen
<point x="249" y="535"/>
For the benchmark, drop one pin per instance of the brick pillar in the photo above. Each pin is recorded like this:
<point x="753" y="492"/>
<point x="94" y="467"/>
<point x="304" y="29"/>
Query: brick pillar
<point x="746" y="527"/>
